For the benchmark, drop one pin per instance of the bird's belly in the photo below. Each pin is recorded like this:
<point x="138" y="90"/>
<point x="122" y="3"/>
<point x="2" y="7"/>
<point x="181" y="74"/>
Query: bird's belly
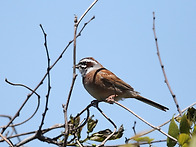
<point x="98" y="92"/>
<point x="101" y="93"/>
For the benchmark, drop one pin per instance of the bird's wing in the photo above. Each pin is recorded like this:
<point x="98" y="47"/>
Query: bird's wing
<point x="110" y="79"/>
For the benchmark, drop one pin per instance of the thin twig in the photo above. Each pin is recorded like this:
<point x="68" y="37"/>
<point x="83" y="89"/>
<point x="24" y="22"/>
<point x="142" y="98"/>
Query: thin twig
<point x="154" y="127"/>
<point x="107" y="138"/>
<point x="134" y="127"/>
<point x="147" y="132"/>
<point x="86" y="119"/>
<point x="8" y="141"/>
<point x="57" y="126"/>
<point x="72" y="85"/>
<point x="70" y="42"/>
<point x="13" y="127"/>
<point x="163" y="69"/>
<point x="80" y="19"/>
<point x="42" y="138"/>
<point x="22" y="85"/>
<point x="65" y="107"/>
<point x="41" y="81"/>
<point x="80" y="145"/>
<point x="48" y="75"/>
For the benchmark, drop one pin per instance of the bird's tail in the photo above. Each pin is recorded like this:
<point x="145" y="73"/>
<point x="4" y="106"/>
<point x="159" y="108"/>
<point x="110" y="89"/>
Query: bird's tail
<point x="150" y="102"/>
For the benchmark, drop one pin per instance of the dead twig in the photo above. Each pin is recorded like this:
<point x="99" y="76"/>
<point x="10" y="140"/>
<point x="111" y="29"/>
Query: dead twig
<point x="49" y="87"/>
<point x="57" y="126"/>
<point x="88" y="9"/>
<point x="41" y="81"/>
<point x="154" y="127"/>
<point x="163" y="69"/>
<point x="65" y="107"/>
<point x="22" y="85"/>
<point x="8" y="141"/>
<point x="13" y="127"/>
<point x="103" y="142"/>
<point x="147" y="132"/>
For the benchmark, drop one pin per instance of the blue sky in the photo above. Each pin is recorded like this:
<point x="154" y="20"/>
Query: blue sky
<point x="120" y="37"/>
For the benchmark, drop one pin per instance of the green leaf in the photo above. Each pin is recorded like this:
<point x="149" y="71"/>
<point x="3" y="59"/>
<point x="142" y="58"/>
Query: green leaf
<point x="74" y="123"/>
<point x="193" y="141"/>
<point x="102" y="135"/>
<point x="184" y="125"/>
<point x="183" y="139"/>
<point x="91" y="124"/>
<point x="74" y="120"/>
<point x="144" y="139"/>
<point x="173" y="131"/>
<point x="118" y="134"/>
<point x="128" y="145"/>
<point x="191" y="115"/>
<point x="194" y="130"/>
<point x="185" y="145"/>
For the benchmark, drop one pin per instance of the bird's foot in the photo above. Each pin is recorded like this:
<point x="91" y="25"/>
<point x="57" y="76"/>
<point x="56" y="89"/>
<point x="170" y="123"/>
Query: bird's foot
<point x="110" y="99"/>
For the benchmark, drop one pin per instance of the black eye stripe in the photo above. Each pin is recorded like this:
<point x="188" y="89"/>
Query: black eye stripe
<point x="86" y="64"/>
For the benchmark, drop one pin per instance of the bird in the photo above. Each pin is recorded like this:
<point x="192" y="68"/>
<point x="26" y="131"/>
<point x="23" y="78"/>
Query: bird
<point x="103" y="85"/>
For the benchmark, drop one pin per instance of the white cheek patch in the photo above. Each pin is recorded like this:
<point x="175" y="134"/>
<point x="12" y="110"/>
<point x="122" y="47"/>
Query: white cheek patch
<point x="89" y="66"/>
<point x="89" y="70"/>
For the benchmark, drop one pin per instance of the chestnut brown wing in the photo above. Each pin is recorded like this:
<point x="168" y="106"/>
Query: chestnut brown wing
<point x="109" y="79"/>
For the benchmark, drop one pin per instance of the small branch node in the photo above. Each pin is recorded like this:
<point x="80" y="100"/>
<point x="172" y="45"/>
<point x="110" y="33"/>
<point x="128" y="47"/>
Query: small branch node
<point x="75" y="19"/>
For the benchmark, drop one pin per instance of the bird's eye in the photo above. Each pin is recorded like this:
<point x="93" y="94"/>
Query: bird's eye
<point x="84" y="63"/>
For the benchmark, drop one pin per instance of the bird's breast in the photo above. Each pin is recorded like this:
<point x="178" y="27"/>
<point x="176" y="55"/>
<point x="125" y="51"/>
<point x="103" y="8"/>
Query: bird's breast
<point x="95" y="87"/>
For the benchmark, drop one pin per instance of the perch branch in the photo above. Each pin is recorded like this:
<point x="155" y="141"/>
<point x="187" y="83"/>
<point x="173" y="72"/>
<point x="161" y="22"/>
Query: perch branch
<point x="163" y="69"/>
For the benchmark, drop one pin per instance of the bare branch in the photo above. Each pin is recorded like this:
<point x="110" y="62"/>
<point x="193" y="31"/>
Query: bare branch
<point x="154" y="127"/>
<point x="8" y="141"/>
<point x="80" y="19"/>
<point x="17" y="114"/>
<point x="109" y="121"/>
<point x="163" y="69"/>
<point x="41" y="81"/>
<point x="22" y="85"/>
<point x="65" y="107"/>
<point x="147" y="132"/>
<point x="49" y="87"/>
<point x="57" y="126"/>
<point x="13" y="127"/>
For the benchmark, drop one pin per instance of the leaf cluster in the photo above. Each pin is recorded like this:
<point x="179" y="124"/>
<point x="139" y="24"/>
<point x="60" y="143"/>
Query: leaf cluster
<point x="76" y="126"/>
<point x="185" y="131"/>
